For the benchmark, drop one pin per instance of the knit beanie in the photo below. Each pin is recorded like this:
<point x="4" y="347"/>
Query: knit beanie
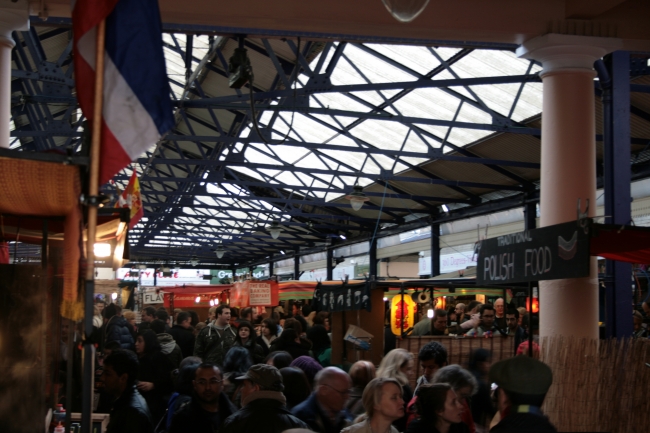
<point x="309" y="365"/>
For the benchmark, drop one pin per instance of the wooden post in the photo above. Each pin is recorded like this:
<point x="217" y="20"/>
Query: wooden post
<point x="93" y="191"/>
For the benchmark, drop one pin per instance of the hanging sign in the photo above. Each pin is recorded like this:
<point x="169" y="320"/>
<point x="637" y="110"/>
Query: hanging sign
<point x="263" y="293"/>
<point x="344" y="297"/>
<point x="549" y="253"/>
<point x="254" y="293"/>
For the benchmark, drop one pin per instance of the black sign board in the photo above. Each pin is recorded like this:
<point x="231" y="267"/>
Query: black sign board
<point x="549" y="253"/>
<point x="344" y="297"/>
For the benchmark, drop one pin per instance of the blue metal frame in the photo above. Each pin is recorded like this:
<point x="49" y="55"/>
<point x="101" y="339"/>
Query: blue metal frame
<point x="615" y="83"/>
<point x="206" y="146"/>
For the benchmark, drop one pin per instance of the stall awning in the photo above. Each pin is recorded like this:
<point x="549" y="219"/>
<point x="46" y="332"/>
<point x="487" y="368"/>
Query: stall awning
<point x="623" y="243"/>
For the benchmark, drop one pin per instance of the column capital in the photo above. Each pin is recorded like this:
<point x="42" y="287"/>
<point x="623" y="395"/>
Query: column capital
<point x="14" y="15"/>
<point x="559" y="53"/>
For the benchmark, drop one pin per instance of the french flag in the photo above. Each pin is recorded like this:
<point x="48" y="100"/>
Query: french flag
<point x="137" y="108"/>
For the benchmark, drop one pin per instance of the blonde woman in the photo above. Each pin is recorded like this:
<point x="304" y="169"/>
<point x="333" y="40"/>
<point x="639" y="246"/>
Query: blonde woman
<point x="383" y="403"/>
<point x="398" y="365"/>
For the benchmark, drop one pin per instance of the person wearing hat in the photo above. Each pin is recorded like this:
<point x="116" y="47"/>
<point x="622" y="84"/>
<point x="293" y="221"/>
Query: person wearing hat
<point x="263" y="404"/>
<point x="522" y="386"/>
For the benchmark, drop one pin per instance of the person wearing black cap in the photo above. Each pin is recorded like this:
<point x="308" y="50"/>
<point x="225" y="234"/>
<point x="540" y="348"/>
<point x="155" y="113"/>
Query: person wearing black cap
<point x="263" y="404"/>
<point x="522" y="386"/>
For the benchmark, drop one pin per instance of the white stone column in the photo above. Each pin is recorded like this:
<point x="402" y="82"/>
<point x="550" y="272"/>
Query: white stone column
<point x="13" y="16"/>
<point x="568" y="167"/>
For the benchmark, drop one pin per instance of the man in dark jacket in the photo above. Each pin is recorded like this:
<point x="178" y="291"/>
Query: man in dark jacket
<point x="523" y="383"/>
<point x="148" y="316"/>
<point x="130" y="413"/>
<point x="263" y="404"/>
<point x="209" y="407"/>
<point x="324" y="411"/>
<point x="116" y="328"/>
<point x="182" y="333"/>
<point x="514" y="330"/>
<point x="214" y="341"/>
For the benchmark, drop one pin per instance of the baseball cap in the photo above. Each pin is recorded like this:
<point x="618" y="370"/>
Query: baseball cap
<point x="522" y="375"/>
<point x="266" y="376"/>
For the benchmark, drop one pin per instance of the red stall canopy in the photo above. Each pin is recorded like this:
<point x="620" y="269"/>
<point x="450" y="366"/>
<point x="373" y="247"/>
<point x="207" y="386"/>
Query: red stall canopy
<point x="622" y="243"/>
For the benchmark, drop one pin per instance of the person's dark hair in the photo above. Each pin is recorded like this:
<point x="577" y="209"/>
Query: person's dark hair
<point x="513" y="311"/>
<point x="182" y="316"/>
<point x="271" y="325"/>
<point x="279" y="359"/>
<point x="124" y="361"/>
<point x="361" y="373"/>
<point x="252" y="339"/>
<point x="457" y="377"/>
<point x="111" y="310"/>
<point x="195" y="318"/>
<point x="296" y="386"/>
<point x="292" y="324"/>
<point x="288" y="336"/>
<point x="431" y="400"/>
<point x="320" y="317"/>
<point x="303" y="323"/>
<point x="478" y="355"/>
<point x="157" y="326"/>
<point x="247" y="314"/>
<point x="183" y="381"/>
<point x="433" y="350"/>
<point x="237" y="360"/>
<point x="320" y="341"/>
<point x="471" y="306"/>
<point x="439" y="312"/>
<point x="517" y="399"/>
<point x="306" y="310"/>
<point x="150" y="311"/>
<point x="162" y="315"/>
<point x="234" y="312"/>
<point x="220" y="308"/>
<point x="485" y="307"/>
<point x="151" y="343"/>
<point x="275" y="316"/>
<point x="112" y="345"/>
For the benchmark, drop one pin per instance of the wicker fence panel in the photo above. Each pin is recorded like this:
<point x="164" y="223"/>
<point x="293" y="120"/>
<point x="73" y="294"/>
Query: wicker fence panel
<point x="459" y="349"/>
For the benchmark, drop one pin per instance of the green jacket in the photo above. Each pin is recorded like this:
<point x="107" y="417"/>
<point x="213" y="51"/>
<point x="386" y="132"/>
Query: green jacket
<point x="211" y="347"/>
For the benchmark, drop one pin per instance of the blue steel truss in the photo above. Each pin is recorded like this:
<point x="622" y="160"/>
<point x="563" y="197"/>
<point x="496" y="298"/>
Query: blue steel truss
<point x="214" y="180"/>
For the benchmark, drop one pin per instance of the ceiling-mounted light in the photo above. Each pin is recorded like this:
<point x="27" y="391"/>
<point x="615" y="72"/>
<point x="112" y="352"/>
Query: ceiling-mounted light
<point x="275" y="229"/>
<point x="445" y="208"/>
<point x="405" y="10"/>
<point x="282" y="252"/>
<point x="114" y="296"/>
<point x="430" y="313"/>
<point x="198" y="299"/>
<point x="357" y="197"/>
<point x="194" y="261"/>
<point x="212" y="302"/>
<point x="220" y="251"/>
<point x="343" y="236"/>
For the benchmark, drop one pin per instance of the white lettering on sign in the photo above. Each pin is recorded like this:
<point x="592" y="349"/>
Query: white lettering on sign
<point x="538" y="260"/>
<point x="260" y="293"/>
<point x="514" y="238"/>
<point x="500" y="267"/>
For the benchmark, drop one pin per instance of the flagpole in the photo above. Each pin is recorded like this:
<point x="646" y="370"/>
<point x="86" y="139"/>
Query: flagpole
<point x="93" y="192"/>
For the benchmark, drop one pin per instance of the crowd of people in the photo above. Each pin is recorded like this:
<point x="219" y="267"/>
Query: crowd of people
<point x="242" y="373"/>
